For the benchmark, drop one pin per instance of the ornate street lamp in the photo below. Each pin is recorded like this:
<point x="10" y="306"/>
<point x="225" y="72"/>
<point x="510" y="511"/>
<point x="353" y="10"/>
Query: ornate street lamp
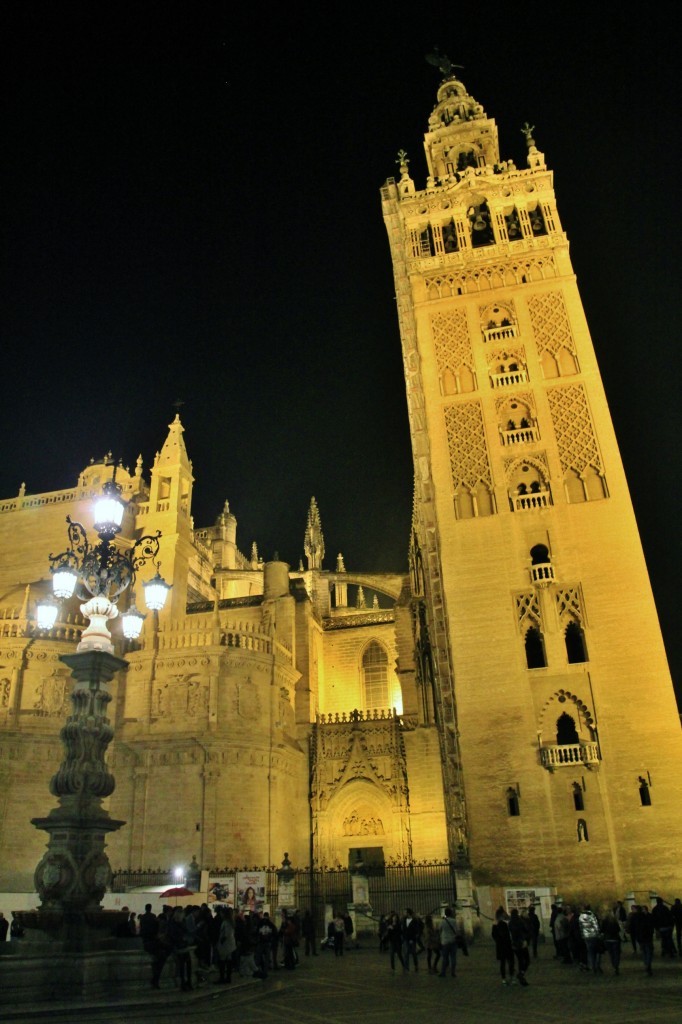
<point x="98" y="574"/>
<point x="74" y="873"/>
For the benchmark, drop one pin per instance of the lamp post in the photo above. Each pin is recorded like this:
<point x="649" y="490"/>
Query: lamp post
<point x="74" y="873"/>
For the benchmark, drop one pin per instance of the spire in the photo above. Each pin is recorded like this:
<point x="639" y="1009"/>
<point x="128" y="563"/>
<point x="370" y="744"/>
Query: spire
<point x="313" y="544"/>
<point x="174" y="452"/>
<point x="360" y="600"/>
<point x="340" y="565"/>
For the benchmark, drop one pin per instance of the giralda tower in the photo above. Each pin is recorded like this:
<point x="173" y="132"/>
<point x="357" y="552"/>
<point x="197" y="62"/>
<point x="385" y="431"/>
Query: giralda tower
<point x="538" y="646"/>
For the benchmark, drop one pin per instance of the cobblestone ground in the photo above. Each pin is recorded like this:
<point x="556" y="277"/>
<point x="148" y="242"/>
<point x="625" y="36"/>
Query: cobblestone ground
<point x="360" y="989"/>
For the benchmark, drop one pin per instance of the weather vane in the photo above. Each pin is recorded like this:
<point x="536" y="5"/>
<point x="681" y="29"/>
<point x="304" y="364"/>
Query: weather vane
<point x="177" y="403"/>
<point x="442" y="62"/>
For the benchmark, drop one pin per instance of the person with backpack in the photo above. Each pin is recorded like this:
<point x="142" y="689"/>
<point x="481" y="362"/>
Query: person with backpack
<point x="448" y="943"/>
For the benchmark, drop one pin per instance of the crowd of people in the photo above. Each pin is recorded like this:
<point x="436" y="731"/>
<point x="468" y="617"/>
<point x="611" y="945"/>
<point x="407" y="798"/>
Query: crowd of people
<point x="582" y="936"/>
<point x="193" y="944"/>
<point x="406" y="938"/>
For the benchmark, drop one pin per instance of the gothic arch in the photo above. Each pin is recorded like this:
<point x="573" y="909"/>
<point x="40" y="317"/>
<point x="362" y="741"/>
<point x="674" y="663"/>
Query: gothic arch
<point x="360" y="813"/>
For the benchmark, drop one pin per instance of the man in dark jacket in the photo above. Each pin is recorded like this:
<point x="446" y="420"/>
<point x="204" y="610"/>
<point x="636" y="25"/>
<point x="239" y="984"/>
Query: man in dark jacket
<point x="664" y="922"/>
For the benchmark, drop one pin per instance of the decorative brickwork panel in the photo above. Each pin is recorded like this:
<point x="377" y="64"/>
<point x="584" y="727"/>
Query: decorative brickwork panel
<point x="550" y="322"/>
<point x="469" y="459"/>
<point x="575" y="436"/>
<point x="485" y="278"/>
<point x="451" y="341"/>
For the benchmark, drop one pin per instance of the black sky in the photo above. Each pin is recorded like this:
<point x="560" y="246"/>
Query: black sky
<point x="190" y="210"/>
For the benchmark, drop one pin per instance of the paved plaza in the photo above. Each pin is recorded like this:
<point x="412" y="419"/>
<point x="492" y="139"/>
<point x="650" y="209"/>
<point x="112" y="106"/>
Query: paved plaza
<point x="360" y="989"/>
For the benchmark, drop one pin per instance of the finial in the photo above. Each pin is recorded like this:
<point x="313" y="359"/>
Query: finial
<point x="528" y="130"/>
<point x="442" y="62"/>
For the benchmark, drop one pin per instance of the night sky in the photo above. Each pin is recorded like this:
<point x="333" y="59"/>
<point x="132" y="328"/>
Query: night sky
<point x="191" y="211"/>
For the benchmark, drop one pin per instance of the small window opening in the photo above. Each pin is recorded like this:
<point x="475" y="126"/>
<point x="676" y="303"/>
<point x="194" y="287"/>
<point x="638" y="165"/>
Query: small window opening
<point x="644" y="793"/>
<point x="513" y="803"/>
<point x="582" y="831"/>
<point x="578" y="798"/>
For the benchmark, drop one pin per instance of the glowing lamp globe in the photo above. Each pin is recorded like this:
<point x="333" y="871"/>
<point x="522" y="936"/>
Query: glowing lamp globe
<point x="64" y="581"/>
<point x="132" y="622"/>
<point x="155" y="593"/>
<point x="46" y="615"/>
<point x="108" y="513"/>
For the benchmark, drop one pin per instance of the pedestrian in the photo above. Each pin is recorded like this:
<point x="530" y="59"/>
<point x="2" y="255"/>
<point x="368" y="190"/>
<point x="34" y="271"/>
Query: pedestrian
<point x="349" y="929"/>
<point x="411" y="927"/>
<point x="4" y="927"/>
<point x="339" y="934"/>
<point x="226" y="946"/>
<point x="394" y="940"/>
<point x="180" y="939"/>
<point x="591" y="933"/>
<point x="644" y="930"/>
<point x="504" y="950"/>
<point x="664" y="922"/>
<point x="308" y="931"/>
<point x="676" y="910"/>
<point x="520" y="934"/>
<point x="448" y="943"/>
<point x="432" y="937"/>
<point x="289" y="936"/>
<point x="534" y="921"/>
<point x="161" y="948"/>
<point x="611" y="931"/>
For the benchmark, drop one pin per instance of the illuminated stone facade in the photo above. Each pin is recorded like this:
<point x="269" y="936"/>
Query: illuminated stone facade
<point x="506" y="703"/>
<point x="253" y="681"/>
<point x="539" y="646"/>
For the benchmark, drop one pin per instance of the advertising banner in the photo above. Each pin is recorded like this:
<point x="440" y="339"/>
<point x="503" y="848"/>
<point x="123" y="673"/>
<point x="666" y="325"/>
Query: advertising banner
<point x="250" y="890"/>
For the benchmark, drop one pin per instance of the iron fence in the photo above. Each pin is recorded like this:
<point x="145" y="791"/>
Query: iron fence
<point x="422" y="887"/>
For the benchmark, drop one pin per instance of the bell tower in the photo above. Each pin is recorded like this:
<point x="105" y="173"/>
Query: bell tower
<point x="547" y="674"/>
<point x="169" y="510"/>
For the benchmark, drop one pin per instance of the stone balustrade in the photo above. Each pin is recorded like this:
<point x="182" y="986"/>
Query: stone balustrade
<point x="559" y="755"/>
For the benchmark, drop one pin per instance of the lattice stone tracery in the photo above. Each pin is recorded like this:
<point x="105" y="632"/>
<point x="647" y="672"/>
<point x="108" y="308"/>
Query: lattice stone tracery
<point x="451" y="340"/>
<point x="528" y="610"/>
<point x="573" y="428"/>
<point x="569" y="602"/>
<point x="551" y="326"/>
<point x="469" y="460"/>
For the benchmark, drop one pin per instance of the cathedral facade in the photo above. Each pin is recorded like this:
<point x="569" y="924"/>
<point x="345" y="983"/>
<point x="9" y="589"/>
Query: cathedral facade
<point x="505" y="704"/>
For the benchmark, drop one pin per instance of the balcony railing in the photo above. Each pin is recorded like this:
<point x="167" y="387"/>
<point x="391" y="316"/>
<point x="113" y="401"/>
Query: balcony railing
<point x="500" y="333"/>
<point x="538" y="499"/>
<point x="542" y="574"/>
<point x="559" y="755"/>
<point x="508" y="378"/>
<point x="521" y="436"/>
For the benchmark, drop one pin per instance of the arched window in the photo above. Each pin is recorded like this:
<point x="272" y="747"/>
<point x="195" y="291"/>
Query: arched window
<point x="575" y="644"/>
<point x="535" y="648"/>
<point x="375" y="676"/>
<point x="566" y="731"/>
<point x="513" y="803"/>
